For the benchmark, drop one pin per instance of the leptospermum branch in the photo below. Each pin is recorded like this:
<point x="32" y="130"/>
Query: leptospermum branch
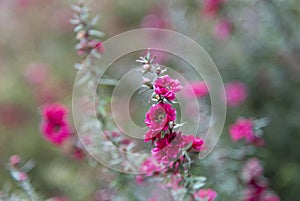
<point x="173" y="152"/>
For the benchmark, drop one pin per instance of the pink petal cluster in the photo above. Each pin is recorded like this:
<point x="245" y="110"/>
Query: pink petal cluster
<point x="149" y="166"/>
<point x="243" y="129"/>
<point x="55" y="126"/>
<point x="169" y="148"/>
<point x="167" y="87"/>
<point x="236" y="93"/>
<point x="14" y="160"/>
<point x="36" y="73"/>
<point x="257" y="188"/>
<point x="158" y="118"/>
<point x="155" y="21"/>
<point x="206" y="194"/>
<point x="270" y="197"/>
<point x="222" y="30"/>
<point x="197" y="142"/>
<point x="211" y="7"/>
<point x="252" y="170"/>
<point x="197" y="88"/>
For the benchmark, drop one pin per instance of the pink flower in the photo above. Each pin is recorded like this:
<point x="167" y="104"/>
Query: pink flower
<point x="158" y="118"/>
<point x="207" y="194"/>
<point x="242" y="128"/>
<point x="155" y="21"/>
<point x="197" y="144"/>
<point x="21" y="176"/>
<point x="222" y="30"/>
<point x="168" y="148"/>
<point x="167" y="87"/>
<point x="139" y="179"/>
<point x="270" y="197"/>
<point x="211" y="7"/>
<point x="78" y="153"/>
<point x="236" y="93"/>
<point x="36" y="73"/>
<point x="174" y="181"/>
<point x="197" y="88"/>
<point x="149" y="166"/>
<point x="252" y="170"/>
<point x="14" y="160"/>
<point x="55" y="126"/>
<point x="97" y="45"/>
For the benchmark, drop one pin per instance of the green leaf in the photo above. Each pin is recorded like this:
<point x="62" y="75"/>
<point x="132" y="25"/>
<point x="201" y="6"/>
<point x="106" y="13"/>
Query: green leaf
<point x="96" y="33"/>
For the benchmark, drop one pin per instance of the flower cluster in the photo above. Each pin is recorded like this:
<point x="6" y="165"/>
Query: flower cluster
<point x="244" y="129"/>
<point x="223" y="27"/>
<point x="256" y="186"/>
<point x="172" y="152"/>
<point x="55" y="126"/>
<point x="236" y="93"/>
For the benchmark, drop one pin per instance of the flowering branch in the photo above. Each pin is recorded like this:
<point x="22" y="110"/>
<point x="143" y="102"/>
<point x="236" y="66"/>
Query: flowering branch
<point x="173" y="153"/>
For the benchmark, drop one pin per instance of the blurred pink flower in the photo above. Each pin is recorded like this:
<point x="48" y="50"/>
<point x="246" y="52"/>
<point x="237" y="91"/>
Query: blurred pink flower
<point x="222" y="30"/>
<point x="211" y="7"/>
<point x="36" y="73"/>
<point x="167" y="148"/>
<point x="155" y="21"/>
<point x="13" y="115"/>
<point x="20" y="176"/>
<point x="139" y="179"/>
<point x="167" y="87"/>
<point x="158" y="118"/>
<point x="55" y="126"/>
<point x="14" y="160"/>
<point x="236" y="93"/>
<point x="78" y="153"/>
<point x="196" y="88"/>
<point x="197" y="144"/>
<point x="252" y="170"/>
<point x="270" y="197"/>
<point x="242" y="128"/>
<point x="174" y="181"/>
<point x="207" y="194"/>
<point x="149" y="166"/>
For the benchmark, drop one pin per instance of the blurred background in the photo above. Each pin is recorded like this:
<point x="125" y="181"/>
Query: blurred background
<point x="254" y="41"/>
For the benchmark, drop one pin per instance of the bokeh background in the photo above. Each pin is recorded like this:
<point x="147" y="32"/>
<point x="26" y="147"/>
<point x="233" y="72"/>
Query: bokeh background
<point x="254" y="41"/>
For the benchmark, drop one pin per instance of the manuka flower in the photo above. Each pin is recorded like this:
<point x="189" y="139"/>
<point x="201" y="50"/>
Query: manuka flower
<point x="242" y="128"/>
<point x="167" y="87"/>
<point x="236" y="93"/>
<point x="55" y="126"/>
<point x="158" y="118"/>
<point x="206" y="194"/>
<point x="196" y="88"/>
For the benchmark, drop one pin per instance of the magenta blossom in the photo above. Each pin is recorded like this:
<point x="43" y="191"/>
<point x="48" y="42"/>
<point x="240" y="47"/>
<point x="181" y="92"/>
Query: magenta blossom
<point x="55" y="126"/>
<point x="206" y="194"/>
<point x="149" y="166"/>
<point x="242" y="129"/>
<point x="270" y="197"/>
<point x="252" y="170"/>
<point x="211" y="7"/>
<point x="197" y="88"/>
<point x="222" y="30"/>
<point x="197" y="142"/>
<point x="170" y="147"/>
<point x="167" y="87"/>
<point x="236" y="93"/>
<point x="14" y="160"/>
<point x="158" y="118"/>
